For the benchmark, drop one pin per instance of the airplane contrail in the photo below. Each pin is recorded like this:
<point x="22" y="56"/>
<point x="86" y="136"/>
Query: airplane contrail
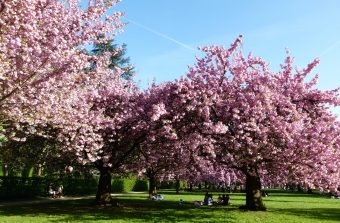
<point x="330" y="48"/>
<point x="162" y="35"/>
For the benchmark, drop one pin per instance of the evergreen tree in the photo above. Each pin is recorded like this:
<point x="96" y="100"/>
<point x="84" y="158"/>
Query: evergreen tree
<point x="119" y="59"/>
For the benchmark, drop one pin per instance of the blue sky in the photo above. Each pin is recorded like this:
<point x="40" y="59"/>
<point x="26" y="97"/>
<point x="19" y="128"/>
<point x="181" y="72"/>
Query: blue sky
<point x="162" y="35"/>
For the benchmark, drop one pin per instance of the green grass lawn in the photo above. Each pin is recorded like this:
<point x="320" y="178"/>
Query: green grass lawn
<point x="282" y="207"/>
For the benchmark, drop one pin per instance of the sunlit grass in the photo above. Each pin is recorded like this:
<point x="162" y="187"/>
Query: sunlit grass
<point x="282" y="207"/>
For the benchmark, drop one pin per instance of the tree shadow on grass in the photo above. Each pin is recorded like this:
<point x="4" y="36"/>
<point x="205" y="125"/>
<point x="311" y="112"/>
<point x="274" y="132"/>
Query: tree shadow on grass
<point x="310" y="201"/>
<point x="282" y="193"/>
<point x="330" y="214"/>
<point x="143" y="210"/>
<point x="295" y="195"/>
<point x="129" y="211"/>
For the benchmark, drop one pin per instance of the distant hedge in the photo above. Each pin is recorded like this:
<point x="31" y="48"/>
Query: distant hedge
<point x="141" y="185"/>
<point x="21" y="187"/>
<point x="121" y="185"/>
<point x="79" y="186"/>
<point x="170" y="185"/>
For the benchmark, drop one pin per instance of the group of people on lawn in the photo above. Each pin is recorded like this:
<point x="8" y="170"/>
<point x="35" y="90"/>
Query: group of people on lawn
<point x="208" y="199"/>
<point x="156" y="197"/>
<point x="221" y="200"/>
<point x="55" y="191"/>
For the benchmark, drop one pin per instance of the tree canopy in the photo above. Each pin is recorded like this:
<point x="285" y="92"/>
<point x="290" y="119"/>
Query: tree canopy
<point x="229" y="118"/>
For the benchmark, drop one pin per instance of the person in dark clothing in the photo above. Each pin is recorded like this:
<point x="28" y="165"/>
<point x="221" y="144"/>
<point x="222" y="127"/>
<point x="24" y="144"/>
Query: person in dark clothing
<point x="225" y="199"/>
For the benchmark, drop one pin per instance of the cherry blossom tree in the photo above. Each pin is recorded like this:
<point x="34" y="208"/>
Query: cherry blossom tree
<point x="121" y="130"/>
<point x="41" y="52"/>
<point x="273" y="127"/>
<point x="158" y="160"/>
<point x="46" y="85"/>
<point x="260" y="126"/>
<point x="163" y="155"/>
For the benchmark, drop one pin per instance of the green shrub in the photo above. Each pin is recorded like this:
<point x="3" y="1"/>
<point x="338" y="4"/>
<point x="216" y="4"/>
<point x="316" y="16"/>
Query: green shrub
<point x="117" y="185"/>
<point x="79" y="186"/>
<point x="123" y="185"/>
<point x="141" y="185"/>
<point x="170" y="184"/>
<point x="20" y="187"/>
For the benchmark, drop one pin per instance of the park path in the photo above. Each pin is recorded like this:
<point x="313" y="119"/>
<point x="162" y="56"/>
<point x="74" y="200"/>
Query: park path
<point x="42" y="200"/>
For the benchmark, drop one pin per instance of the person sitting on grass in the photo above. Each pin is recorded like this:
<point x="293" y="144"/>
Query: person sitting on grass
<point x="219" y="199"/>
<point x="198" y="203"/>
<point x="51" y="191"/>
<point x="59" y="192"/>
<point x="208" y="200"/>
<point x="159" y="197"/>
<point x="264" y="194"/>
<point x="156" y="197"/>
<point x="152" y="196"/>
<point x="225" y="199"/>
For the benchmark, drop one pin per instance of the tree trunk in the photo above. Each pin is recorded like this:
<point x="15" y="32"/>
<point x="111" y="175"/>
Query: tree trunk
<point x="253" y="193"/>
<point x="11" y="171"/>
<point x="4" y="170"/>
<point x="190" y="186"/>
<point x="205" y="185"/>
<point x="26" y="170"/>
<point x="177" y="185"/>
<point x="152" y="185"/>
<point x="37" y="170"/>
<point x="103" y="196"/>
